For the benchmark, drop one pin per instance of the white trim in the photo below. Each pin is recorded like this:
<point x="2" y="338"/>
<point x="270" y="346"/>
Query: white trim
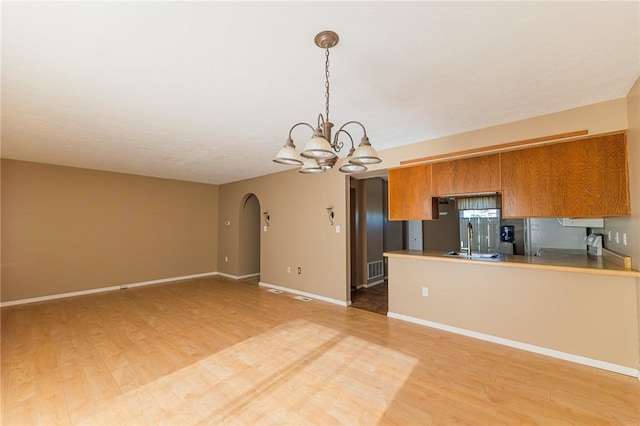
<point x="369" y="285"/>
<point x="222" y="274"/>
<point x="628" y="371"/>
<point x="242" y="277"/>
<point x="103" y="289"/>
<point x="303" y="293"/>
<point x="168" y="280"/>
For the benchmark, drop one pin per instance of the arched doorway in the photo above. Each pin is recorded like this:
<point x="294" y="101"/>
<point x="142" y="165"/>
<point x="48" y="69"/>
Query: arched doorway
<point x="249" y="261"/>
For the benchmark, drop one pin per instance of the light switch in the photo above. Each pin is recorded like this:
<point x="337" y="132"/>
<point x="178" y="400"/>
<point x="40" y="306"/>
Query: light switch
<point x="337" y="229"/>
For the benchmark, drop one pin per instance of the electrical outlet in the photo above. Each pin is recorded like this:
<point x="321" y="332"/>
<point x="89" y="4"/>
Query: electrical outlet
<point x="299" y="270"/>
<point x="226" y="258"/>
<point x="425" y="291"/>
<point x="288" y="269"/>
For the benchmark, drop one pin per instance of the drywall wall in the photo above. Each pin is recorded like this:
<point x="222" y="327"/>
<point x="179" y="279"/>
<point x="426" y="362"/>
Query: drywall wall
<point x="593" y="316"/>
<point x="629" y="225"/>
<point x="393" y="229"/>
<point x="442" y="234"/>
<point x="67" y="229"/>
<point x="597" y="118"/>
<point x="300" y="234"/>
<point x="373" y="224"/>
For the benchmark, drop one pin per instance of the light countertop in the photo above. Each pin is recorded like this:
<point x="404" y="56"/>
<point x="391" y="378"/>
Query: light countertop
<point x="602" y="265"/>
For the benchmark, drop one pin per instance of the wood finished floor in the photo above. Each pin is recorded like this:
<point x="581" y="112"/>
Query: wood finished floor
<point x="218" y="351"/>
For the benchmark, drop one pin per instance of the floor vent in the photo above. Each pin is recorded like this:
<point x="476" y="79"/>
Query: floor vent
<point x="275" y="290"/>
<point x="304" y="299"/>
<point x="376" y="269"/>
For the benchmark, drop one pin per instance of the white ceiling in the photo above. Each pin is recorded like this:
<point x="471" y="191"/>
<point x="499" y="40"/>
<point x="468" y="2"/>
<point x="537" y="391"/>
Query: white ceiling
<point x="207" y="91"/>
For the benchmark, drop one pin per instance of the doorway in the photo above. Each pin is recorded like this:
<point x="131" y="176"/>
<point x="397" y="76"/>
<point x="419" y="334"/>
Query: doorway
<point x="371" y="234"/>
<point x="249" y="250"/>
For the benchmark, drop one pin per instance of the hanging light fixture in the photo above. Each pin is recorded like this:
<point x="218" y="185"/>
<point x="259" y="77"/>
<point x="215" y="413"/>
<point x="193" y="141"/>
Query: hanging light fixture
<point x="320" y="153"/>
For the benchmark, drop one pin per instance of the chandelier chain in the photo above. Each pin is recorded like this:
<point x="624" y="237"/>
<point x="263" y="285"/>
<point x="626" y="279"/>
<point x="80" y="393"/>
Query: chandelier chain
<point x="326" y="84"/>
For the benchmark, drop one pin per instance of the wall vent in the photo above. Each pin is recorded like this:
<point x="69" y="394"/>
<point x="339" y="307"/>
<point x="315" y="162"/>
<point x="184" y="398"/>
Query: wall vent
<point x="376" y="269"/>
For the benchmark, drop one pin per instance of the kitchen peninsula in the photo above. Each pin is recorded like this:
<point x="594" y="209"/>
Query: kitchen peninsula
<point x="583" y="311"/>
<point x="602" y="265"/>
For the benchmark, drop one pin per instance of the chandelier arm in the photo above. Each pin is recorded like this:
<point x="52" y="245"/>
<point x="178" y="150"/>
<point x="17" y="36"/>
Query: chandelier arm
<point x="300" y="124"/>
<point x="337" y="145"/>
<point x="352" y="122"/>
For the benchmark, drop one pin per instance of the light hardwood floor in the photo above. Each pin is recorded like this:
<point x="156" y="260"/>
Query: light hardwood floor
<point x="218" y="351"/>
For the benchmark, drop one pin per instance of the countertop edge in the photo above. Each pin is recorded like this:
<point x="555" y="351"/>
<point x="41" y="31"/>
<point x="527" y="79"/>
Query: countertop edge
<point x="631" y="273"/>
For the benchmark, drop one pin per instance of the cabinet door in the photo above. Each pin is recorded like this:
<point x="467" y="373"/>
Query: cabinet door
<point x="410" y="194"/>
<point x="582" y="178"/>
<point x="467" y="175"/>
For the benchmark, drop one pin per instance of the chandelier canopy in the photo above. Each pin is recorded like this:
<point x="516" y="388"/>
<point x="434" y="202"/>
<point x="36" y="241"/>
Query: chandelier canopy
<point x="320" y="153"/>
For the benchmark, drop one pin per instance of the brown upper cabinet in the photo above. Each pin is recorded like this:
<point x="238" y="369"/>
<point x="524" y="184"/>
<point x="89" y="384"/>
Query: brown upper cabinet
<point x="467" y="175"/>
<point x="410" y="195"/>
<point x="580" y="178"/>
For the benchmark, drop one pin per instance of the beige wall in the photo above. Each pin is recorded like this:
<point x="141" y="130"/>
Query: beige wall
<point x="442" y="234"/>
<point x="356" y="236"/>
<point x="299" y="235"/>
<point x="597" y="118"/>
<point x="593" y="316"/>
<point x="67" y="229"/>
<point x="629" y="225"/>
<point x="632" y="224"/>
<point x="373" y="223"/>
<point x="393" y="229"/>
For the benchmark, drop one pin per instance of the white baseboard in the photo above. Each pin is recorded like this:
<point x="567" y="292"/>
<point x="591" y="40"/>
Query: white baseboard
<point x="103" y="289"/>
<point x="621" y="369"/>
<point x="243" y="277"/>
<point x="237" y="277"/>
<point x="233" y="277"/>
<point x="375" y="283"/>
<point x="303" y="293"/>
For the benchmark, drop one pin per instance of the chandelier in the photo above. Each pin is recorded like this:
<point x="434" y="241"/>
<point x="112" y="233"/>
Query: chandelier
<point x="320" y="153"/>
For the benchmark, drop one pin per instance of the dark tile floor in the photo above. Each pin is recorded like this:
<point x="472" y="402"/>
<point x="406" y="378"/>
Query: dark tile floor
<point x="374" y="299"/>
